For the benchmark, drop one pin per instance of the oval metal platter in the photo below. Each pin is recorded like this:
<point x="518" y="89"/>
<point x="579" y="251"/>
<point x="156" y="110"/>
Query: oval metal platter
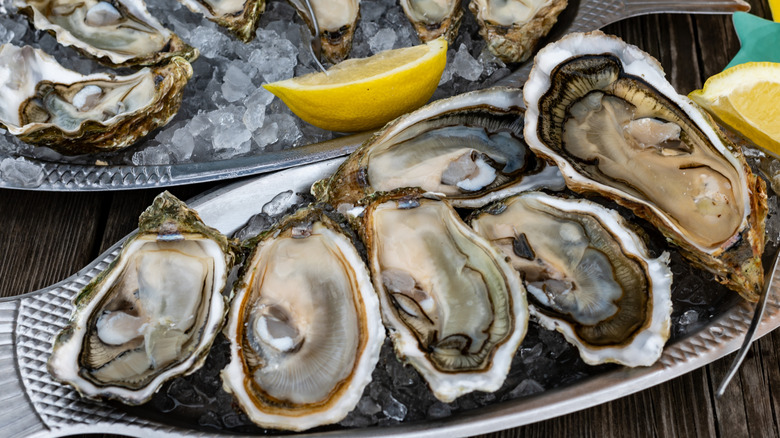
<point x="34" y="405"/>
<point x="54" y="174"/>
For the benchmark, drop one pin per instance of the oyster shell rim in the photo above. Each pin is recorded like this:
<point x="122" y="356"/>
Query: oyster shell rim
<point x="365" y="363"/>
<point x="66" y="38"/>
<point x="660" y="287"/>
<point x="714" y="259"/>
<point x="448" y="386"/>
<point x="504" y="100"/>
<point x="155" y="224"/>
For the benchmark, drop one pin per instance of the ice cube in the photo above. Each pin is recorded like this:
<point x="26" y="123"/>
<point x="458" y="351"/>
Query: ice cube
<point x="525" y="388"/>
<point x="21" y="172"/>
<point x="382" y="40"/>
<point x="236" y="84"/>
<point x="465" y="65"/>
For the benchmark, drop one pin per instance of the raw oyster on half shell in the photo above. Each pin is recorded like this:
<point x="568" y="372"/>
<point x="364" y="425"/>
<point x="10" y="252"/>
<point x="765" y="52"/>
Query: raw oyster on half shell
<point x="337" y="20"/>
<point x="587" y="274"/>
<point x="603" y="111"/>
<point x="455" y="308"/>
<point x="241" y="17"/>
<point x="116" y="33"/>
<point x="304" y="326"/>
<point x="468" y="149"/>
<point x="48" y="105"/>
<point x="512" y="28"/>
<point x="153" y="313"/>
<point x="434" y="18"/>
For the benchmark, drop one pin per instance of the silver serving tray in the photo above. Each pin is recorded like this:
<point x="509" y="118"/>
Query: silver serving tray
<point x="34" y="405"/>
<point x="580" y="16"/>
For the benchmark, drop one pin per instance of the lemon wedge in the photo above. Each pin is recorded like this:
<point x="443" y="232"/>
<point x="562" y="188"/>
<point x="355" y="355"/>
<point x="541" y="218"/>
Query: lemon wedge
<point x="362" y="94"/>
<point x="745" y="98"/>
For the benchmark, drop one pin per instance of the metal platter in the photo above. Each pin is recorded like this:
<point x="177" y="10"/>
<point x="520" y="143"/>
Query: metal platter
<point x="37" y="406"/>
<point x="54" y="174"/>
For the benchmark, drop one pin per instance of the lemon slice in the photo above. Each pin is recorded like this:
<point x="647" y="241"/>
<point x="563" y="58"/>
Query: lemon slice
<point x="745" y="98"/>
<point x="362" y="94"/>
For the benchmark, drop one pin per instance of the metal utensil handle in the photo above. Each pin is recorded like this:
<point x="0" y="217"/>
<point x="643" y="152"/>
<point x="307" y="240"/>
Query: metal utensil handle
<point x="642" y="7"/>
<point x="758" y="316"/>
<point x="315" y="44"/>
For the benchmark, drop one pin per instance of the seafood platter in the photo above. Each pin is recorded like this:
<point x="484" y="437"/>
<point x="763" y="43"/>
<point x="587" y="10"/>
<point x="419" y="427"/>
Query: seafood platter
<point x="489" y="260"/>
<point x="226" y="125"/>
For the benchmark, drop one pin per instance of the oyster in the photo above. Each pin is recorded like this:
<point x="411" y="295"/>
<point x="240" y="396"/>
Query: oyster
<point x="304" y="326"/>
<point x="116" y="33"/>
<point x="588" y="275"/>
<point x="512" y="28"/>
<point x="455" y="308"/>
<point x="602" y="110"/>
<point x="153" y="313"/>
<point x="48" y="105"/>
<point x="336" y="20"/>
<point x="239" y="16"/>
<point x="434" y="18"/>
<point x="468" y="148"/>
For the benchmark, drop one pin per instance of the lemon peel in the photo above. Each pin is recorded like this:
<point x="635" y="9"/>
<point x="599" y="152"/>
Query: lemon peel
<point x="362" y="94"/>
<point x="744" y="97"/>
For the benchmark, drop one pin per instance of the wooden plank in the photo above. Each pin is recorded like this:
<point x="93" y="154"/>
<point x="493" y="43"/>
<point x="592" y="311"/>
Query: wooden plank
<point x="46" y="237"/>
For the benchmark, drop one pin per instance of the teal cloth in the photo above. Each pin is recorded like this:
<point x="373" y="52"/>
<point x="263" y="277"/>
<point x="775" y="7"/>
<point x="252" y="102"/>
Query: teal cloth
<point x="760" y="39"/>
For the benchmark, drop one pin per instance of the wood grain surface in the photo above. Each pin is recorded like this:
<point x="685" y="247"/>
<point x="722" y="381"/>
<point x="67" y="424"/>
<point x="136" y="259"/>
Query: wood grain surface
<point x="46" y="237"/>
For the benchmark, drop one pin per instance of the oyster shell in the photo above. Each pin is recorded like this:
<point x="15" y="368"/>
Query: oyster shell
<point x="468" y="148"/>
<point x="512" y="28"/>
<point x="304" y="326"/>
<point x="602" y="110"/>
<point x="241" y="17"/>
<point x="434" y="18"/>
<point x="48" y="105"/>
<point x="588" y="275"/>
<point x="116" y="33"/>
<point x="455" y="309"/>
<point x="153" y="313"/>
<point x="336" y="20"/>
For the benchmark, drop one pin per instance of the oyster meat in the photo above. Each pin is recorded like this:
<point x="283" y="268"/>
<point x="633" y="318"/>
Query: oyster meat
<point x="603" y="111"/>
<point x="241" y="17"/>
<point x="304" y="326"/>
<point x="468" y="148"/>
<point x="48" y="105"/>
<point x="153" y="314"/>
<point x="587" y="274"/>
<point x="336" y="20"/>
<point x="512" y="28"/>
<point x="455" y="308"/>
<point x="434" y="18"/>
<point x="116" y="33"/>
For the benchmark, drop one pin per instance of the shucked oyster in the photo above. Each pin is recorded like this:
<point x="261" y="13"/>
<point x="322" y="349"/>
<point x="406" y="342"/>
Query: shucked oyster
<point x="153" y="313"/>
<point x="468" y="148"/>
<point x="304" y="326"/>
<point x="512" y="28"/>
<point x="116" y="33"/>
<point x="239" y="16"/>
<point x="455" y="309"/>
<point x="48" y="105"/>
<point x="588" y="275"/>
<point x="434" y="18"/>
<point x="602" y="110"/>
<point x="336" y="20"/>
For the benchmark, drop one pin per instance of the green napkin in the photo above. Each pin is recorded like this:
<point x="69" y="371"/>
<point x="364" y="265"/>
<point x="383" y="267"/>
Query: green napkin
<point x="760" y="39"/>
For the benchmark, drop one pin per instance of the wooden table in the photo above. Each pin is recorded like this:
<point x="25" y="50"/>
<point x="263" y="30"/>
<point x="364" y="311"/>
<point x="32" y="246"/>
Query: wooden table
<point x="46" y="237"/>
